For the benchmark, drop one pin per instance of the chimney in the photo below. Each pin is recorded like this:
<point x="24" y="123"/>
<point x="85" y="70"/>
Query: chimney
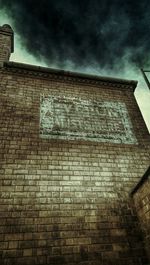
<point x="6" y="43"/>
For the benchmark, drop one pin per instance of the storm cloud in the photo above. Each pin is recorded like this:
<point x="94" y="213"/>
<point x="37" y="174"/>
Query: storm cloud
<point x="84" y="32"/>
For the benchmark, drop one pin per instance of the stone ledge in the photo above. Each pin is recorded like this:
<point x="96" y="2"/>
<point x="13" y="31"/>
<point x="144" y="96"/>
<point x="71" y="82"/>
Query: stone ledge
<point x="56" y="74"/>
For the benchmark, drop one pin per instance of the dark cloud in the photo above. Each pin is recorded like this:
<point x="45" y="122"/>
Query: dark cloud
<point x="84" y="31"/>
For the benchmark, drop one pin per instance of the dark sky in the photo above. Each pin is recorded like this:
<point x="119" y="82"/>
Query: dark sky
<point x="84" y="31"/>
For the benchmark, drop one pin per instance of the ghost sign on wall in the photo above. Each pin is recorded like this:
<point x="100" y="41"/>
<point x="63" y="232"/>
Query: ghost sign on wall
<point x="74" y="118"/>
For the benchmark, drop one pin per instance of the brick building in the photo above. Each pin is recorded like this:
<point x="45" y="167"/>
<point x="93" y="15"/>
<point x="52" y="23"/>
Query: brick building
<point x="73" y="147"/>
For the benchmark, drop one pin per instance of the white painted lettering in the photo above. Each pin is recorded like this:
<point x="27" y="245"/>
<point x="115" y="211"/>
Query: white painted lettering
<point x="101" y="121"/>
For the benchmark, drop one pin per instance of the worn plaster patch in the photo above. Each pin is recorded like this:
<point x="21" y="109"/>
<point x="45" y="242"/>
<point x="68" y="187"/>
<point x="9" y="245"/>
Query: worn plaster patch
<point x="74" y="118"/>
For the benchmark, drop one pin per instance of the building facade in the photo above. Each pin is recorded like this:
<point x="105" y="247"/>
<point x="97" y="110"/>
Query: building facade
<point x="73" y="146"/>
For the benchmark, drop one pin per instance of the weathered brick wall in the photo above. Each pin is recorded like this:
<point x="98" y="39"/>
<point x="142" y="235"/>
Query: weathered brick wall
<point x="141" y="198"/>
<point x="66" y="201"/>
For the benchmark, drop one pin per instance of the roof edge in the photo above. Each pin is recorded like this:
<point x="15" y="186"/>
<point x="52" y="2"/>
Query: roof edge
<point x="46" y="71"/>
<point x="141" y="181"/>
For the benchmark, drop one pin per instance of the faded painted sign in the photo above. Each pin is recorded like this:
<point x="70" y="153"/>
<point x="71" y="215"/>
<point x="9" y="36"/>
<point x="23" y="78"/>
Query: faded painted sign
<point x="74" y="118"/>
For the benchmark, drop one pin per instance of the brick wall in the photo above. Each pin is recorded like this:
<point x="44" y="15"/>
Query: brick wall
<point x="66" y="201"/>
<point x="141" y="197"/>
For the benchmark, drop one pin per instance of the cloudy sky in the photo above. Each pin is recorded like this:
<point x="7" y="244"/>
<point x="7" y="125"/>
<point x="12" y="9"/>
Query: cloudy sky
<point x="107" y="38"/>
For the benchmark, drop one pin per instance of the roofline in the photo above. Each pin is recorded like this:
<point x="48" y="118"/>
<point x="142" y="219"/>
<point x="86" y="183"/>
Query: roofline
<point x="141" y="181"/>
<point x="46" y="71"/>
